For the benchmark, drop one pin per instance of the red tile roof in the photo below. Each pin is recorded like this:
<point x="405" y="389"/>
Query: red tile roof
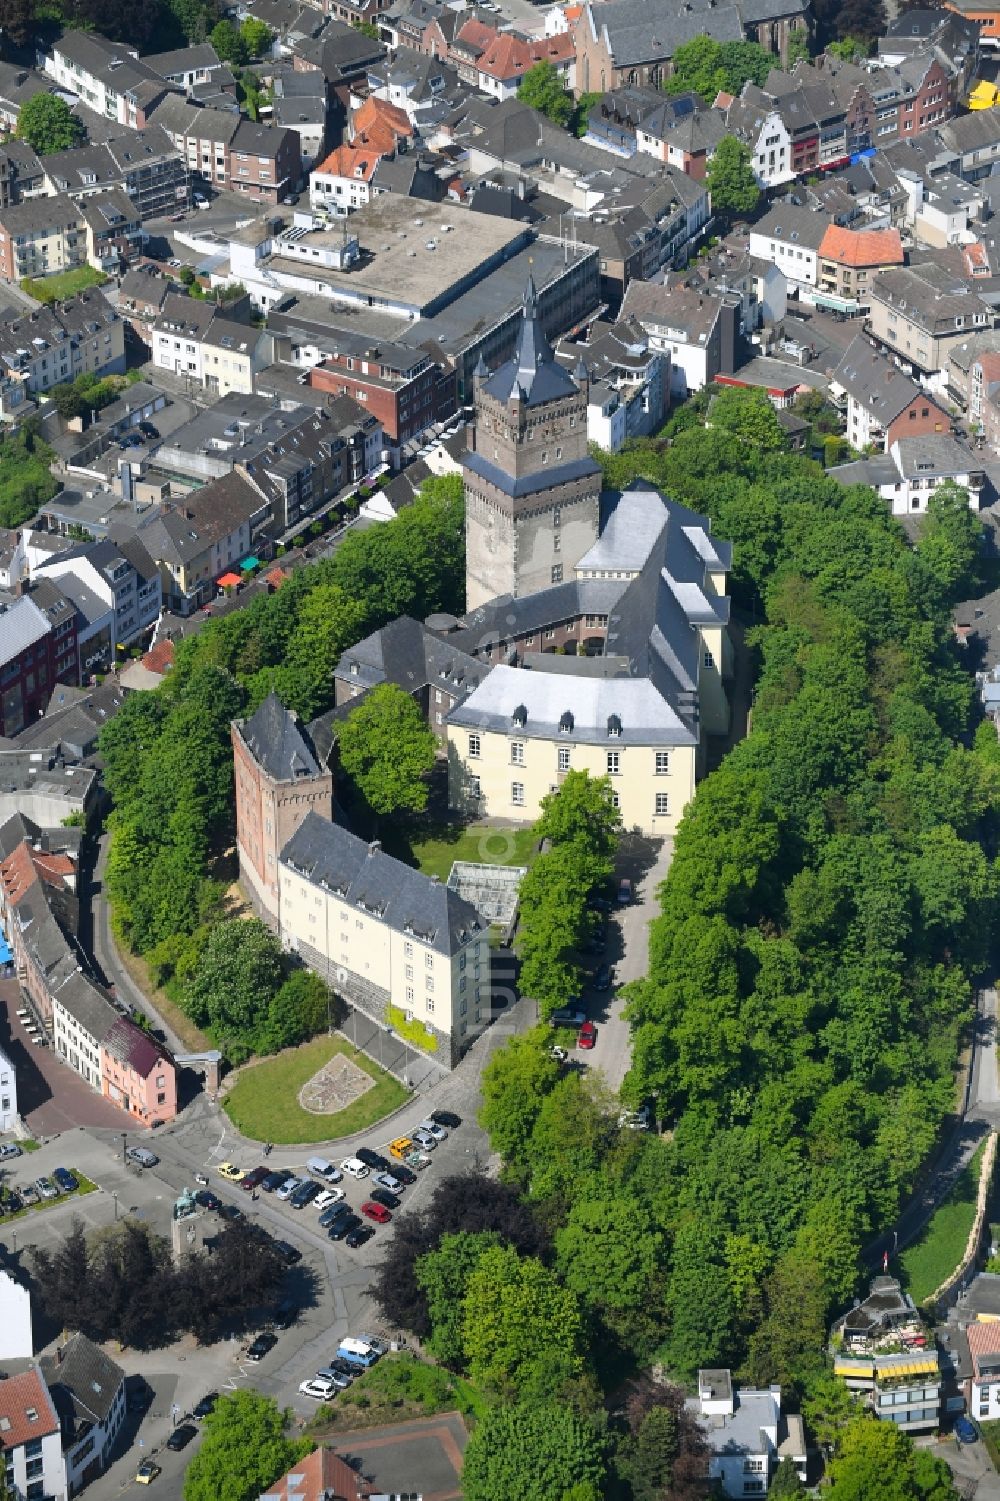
<point x="356" y="161"/>
<point x="26" y="1409"/>
<point x="159" y="658"/>
<point x="18" y="874"/>
<point x="984" y="1339"/>
<point x="321" y="1473"/>
<point x="379" y="112"/>
<point x="862" y="247"/>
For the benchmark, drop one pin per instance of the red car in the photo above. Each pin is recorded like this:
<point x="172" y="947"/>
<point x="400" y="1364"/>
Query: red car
<point x="376" y="1212"/>
<point x="587" y="1035"/>
<point x="253" y="1180"/>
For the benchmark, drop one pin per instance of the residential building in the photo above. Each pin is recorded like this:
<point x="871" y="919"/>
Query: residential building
<point x="920" y="313"/>
<point x="18" y="85"/>
<point x="883" y="404"/>
<point x="141" y="295"/>
<point x="8" y="1094"/>
<point x="849" y="260"/>
<point x="204" y="536"/>
<point x="300" y="104"/>
<point x="790" y="237"/>
<point x="681" y="137"/>
<point x="151" y="170"/>
<point x="414" y="657"/>
<point x="51" y="345"/>
<point x="201" y="136"/>
<point x="912" y="469"/>
<point x="186" y="66"/>
<point x="40" y="237"/>
<point x="703" y="334"/>
<point x="36" y="652"/>
<point x="531" y="488"/>
<point x="628" y="391"/>
<point x="984" y="1387"/>
<point x="16" y="1340"/>
<point x="278" y="781"/>
<point x="137" y="1074"/>
<point x="401" y="946"/>
<point x="320" y="1476"/>
<point x="884" y="1350"/>
<point x="30" y="1437"/>
<point x="197" y="339"/>
<point x="112" y="230"/>
<point x="747" y="1433"/>
<point x="88" y="1392"/>
<point x="104" y="74"/>
<point x="975" y="140"/>
<point x="342" y="182"/>
<point x="397" y="385"/>
<point x="264" y="162"/>
<point x="122" y="575"/>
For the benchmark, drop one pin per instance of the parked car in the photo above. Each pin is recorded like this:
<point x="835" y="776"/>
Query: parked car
<point x="400" y="1147"/>
<point x="431" y="1126"/>
<point x="405" y="1175"/>
<point x="328" y="1197"/>
<point x="597" y="942"/>
<point x="602" y="978"/>
<point x="340" y="1381"/>
<point x="46" y="1188"/>
<point x="587" y="1036"/>
<point x="230" y="1172"/>
<point x="137" y="1395"/>
<point x="559" y="1055"/>
<point x="418" y="1160"/>
<point x="182" y="1436"/>
<point x="424" y="1139"/>
<point x="207" y="1199"/>
<point x="338" y="1364"/>
<point x="374" y="1160"/>
<point x="131" y="440"/>
<point x="965" y="1432"/>
<point x="205" y="1406"/>
<point x="304" y="1194"/>
<point x="568" y="1016"/>
<point x="275" y="1178"/>
<point x="147" y="1472"/>
<point x="12" y="1201"/>
<point x="176" y="218"/>
<point x="354" y="1168"/>
<point x="229" y="1212"/>
<point x="624" y="891"/>
<point x="253" y="1179"/>
<point x="288" y="1188"/>
<point x="358" y="1236"/>
<point x="29" y="1194"/>
<point x="331" y="1216"/>
<point x="373" y="1210"/>
<point x="148" y="430"/>
<point x="389" y="1181"/>
<point x="261" y="1345"/>
<point x="65" y="1180"/>
<point x="143" y="1156"/>
<point x="446" y="1118"/>
<point x="289" y="1255"/>
<point x="9" y="1149"/>
<point x="385" y="1198"/>
<point x="286" y="1313"/>
<point x="343" y="1227"/>
<point x="322" y="1391"/>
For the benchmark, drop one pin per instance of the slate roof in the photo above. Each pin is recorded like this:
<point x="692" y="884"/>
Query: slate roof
<point x="135" y="1048"/>
<point x="933" y="454"/>
<point x="277" y="742"/>
<point x="21" y="625"/>
<point x="640" y="31"/>
<point x="406" y="653"/>
<point x="533" y="372"/>
<point x="89" y="1377"/>
<point x="631" y="522"/>
<point x="874" y="382"/>
<point x="179" y="534"/>
<point x="792" y="225"/>
<point x="198" y="56"/>
<point x="364" y="875"/>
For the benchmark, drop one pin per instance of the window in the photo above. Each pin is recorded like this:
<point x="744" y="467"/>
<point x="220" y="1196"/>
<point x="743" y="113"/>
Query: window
<point x="614" y="766"/>
<point x="557" y="574"/>
<point x="517" y="753"/>
<point x="474" y="746"/>
<point x="662" y="804"/>
<point x="517" y="794"/>
<point x="429" y="982"/>
<point x="428" y="961"/>
<point x="616" y="801"/>
<point x="408" y="950"/>
<point x="409" y="971"/>
<point x="708" y="659"/>
<point x="563" y="758"/>
<point x="662" y="763"/>
<point x="409" y="995"/>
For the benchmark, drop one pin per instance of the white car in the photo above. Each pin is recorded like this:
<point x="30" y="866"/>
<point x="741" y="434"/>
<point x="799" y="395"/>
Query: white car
<point x="322" y="1391"/>
<point x="433" y="1129"/>
<point x="560" y="1055"/>
<point x="288" y="1187"/>
<point x="355" y="1168"/>
<point x="386" y="1180"/>
<point x="175" y="263"/>
<point x="328" y="1197"/>
<point x="423" y="1138"/>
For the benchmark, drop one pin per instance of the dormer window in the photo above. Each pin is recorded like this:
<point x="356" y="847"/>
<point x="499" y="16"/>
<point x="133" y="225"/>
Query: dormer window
<point x="519" y="718"/>
<point x="614" y="727"/>
<point x="566" y="724"/>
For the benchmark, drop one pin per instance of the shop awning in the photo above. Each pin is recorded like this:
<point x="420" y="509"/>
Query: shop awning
<point x="6" y="955"/>
<point x="229" y="581"/>
<point x="249" y="564"/>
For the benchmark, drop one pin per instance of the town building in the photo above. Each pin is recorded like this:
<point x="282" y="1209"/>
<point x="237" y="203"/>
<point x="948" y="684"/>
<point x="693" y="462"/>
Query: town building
<point x="122" y="575"/>
<point x="703" y="333"/>
<point x="87" y="1389"/>
<point x="919" y="313"/>
<point x="532" y="490"/>
<point x="402" y="946"/>
<point x="202" y="538"/>
<point x="629" y="382"/>
<point x="8" y="1094"/>
<point x="790" y="237"/>
<point x="38" y="648"/>
<point x="399" y="386"/>
<point x="278" y="781"/>
<point x="264" y="162"/>
<point x="320" y="1476"/>
<point x="415" y="658"/>
<point x="199" y="341"/>
<point x="883" y="1349"/>
<point x="849" y="260"/>
<point x="40" y="237"/>
<point x="52" y="345"/>
<point x="913" y="468"/>
<point x="105" y="75"/>
<point x="883" y="404"/>
<point x="747" y="1433"/>
<point x="31" y="1438"/>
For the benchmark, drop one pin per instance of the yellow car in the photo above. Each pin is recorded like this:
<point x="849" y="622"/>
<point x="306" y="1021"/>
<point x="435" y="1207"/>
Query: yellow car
<point x="147" y="1472"/>
<point x="230" y="1172"/>
<point x="400" y="1147"/>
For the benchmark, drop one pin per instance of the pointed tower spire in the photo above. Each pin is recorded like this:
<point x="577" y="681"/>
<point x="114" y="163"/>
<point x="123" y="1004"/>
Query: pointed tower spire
<point x="533" y="348"/>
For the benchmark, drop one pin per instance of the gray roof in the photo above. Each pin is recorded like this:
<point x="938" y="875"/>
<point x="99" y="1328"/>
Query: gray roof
<point x="533" y="375"/>
<point x="742" y="1431"/>
<point x="197" y="57"/>
<point x="364" y="875"/>
<point x="407" y="653"/>
<point x="878" y="385"/>
<point x="934" y="454"/>
<point x="791" y="225"/>
<point x="631" y="522"/>
<point x="21" y="625"/>
<point x="875" y="471"/>
<point x="641" y="31"/>
<point x="89" y="1376"/>
<point x="277" y="743"/>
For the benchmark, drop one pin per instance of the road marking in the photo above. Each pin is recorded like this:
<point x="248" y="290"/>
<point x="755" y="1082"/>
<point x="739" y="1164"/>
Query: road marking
<point x="215" y="1150"/>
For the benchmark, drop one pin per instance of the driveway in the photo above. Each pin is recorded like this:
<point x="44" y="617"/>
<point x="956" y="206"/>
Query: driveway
<point x="646" y="865"/>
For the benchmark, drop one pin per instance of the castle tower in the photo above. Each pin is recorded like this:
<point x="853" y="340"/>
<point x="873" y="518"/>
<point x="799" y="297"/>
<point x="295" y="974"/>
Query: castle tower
<point x="532" y="491"/>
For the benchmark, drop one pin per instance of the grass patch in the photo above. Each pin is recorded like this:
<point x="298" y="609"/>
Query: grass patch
<point x="434" y="850"/>
<point x="192" y="1037"/>
<point x="27" y="1144"/>
<point x="63" y="284"/>
<point x="927" y="1263"/>
<point x="399" y="1388"/>
<point x="264" y="1102"/>
<point x="991" y="1438"/>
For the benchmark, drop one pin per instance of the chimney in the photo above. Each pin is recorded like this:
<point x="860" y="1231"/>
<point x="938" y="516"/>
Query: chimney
<point x="375" y="846"/>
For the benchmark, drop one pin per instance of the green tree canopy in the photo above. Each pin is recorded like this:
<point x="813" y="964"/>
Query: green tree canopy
<point x="240" y="972"/>
<point x="444" y="1276"/>
<point x="749" y="415"/>
<point x="542" y="88"/>
<point x="229" y="43"/>
<point x="538" y="1452"/>
<point x="514" y="1084"/>
<point x="707" y="67"/>
<point x="517" y="1320"/>
<point x="388" y="751"/>
<point x="875" y="1461"/>
<point x="257" y="37"/>
<point x="48" y="124"/>
<point x="244" y="1450"/>
<point x="732" y="187"/>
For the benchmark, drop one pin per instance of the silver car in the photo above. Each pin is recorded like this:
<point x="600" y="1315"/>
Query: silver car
<point x="424" y="1139"/>
<point x="288" y="1187"/>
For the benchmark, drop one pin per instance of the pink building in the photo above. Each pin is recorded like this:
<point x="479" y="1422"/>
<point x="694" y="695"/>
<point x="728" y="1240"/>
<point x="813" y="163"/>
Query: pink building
<point x="137" y="1074"/>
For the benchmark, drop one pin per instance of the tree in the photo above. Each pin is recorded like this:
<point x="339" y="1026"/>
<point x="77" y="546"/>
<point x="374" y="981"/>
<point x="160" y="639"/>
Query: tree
<point x="536" y="1452"/>
<point x="542" y="88"/>
<point x="299" y="1009"/>
<point x="388" y="751"/>
<point x="609" y="1254"/>
<point x="852" y="49"/>
<point x="875" y="1461"/>
<point x="240" y="973"/>
<point x="798" y="46"/>
<point x="17" y="19"/>
<point x="707" y="67"/>
<point x="229" y="43"/>
<point x="733" y="189"/>
<point x="581" y="114"/>
<point x="786" y="1482"/>
<point x="257" y="36"/>
<point x="949" y="543"/>
<point x="444" y="1276"/>
<point x="63" y="1278"/>
<point x="244" y="1450"/>
<point x="48" y="124"/>
<point x="514" y="1084"/>
<point x="517" y="1321"/>
<point x="750" y="417"/>
<point x="582" y="811"/>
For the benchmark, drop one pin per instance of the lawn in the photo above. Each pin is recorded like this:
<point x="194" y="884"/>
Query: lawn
<point x="927" y="1263"/>
<point x="264" y="1102"/>
<point x="991" y="1438"/>
<point x="436" y="850"/>
<point x="63" y="284"/>
<point x="399" y="1388"/>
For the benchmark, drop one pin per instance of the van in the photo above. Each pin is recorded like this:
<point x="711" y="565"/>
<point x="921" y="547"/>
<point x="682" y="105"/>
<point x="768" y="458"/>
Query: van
<point x="354" y="1168"/>
<point x="357" y="1351"/>
<point x="400" y="1148"/>
<point x="320" y="1168"/>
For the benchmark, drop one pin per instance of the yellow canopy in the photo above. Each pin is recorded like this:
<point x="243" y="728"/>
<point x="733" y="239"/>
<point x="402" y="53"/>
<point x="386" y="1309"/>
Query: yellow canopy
<point x="984" y="95"/>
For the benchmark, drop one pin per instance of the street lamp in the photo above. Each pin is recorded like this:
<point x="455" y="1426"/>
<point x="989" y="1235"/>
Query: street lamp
<point x="114" y="1195"/>
<point x="123" y="1146"/>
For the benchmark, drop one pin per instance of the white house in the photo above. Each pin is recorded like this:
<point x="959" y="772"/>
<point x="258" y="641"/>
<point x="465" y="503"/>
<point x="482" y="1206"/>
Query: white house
<point x="748" y="1434"/>
<point x="88" y="1391"/>
<point x="790" y="238"/>
<point x="8" y="1094"/>
<point x="912" y="470"/>
<point x="15" y="1319"/>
